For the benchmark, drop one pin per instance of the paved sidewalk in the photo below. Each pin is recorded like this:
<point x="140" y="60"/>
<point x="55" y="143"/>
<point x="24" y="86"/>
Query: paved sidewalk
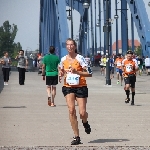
<point x="27" y="120"/>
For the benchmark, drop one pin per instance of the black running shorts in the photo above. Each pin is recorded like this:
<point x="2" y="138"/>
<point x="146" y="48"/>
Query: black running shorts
<point x="130" y="80"/>
<point x="51" y="80"/>
<point x="80" y="92"/>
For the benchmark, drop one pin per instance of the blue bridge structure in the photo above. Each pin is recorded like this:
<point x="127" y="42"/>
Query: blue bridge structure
<point x="54" y="28"/>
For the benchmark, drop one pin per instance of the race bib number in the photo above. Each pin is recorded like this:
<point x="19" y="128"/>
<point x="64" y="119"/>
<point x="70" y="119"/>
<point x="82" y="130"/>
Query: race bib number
<point x="129" y="68"/>
<point x="118" y="64"/>
<point x="72" y="79"/>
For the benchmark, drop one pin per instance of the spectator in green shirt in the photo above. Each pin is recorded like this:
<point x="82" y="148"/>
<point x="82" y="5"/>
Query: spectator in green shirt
<point x="50" y="70"/>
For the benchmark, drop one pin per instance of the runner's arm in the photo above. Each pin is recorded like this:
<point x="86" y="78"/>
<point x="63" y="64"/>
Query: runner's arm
<point x="122" y="66"/>
<point x="87" y="72"/>
<point x="43" y="70"/>
<point x="136" y="67"/>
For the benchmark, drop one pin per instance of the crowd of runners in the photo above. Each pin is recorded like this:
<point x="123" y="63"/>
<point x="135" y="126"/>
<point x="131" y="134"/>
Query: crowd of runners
<point x="73" y="69"/>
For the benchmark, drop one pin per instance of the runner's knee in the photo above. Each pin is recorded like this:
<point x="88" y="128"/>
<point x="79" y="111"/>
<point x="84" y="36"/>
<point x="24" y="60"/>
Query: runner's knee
<point x="72" y="111"/>
<point x="82" y="113"/>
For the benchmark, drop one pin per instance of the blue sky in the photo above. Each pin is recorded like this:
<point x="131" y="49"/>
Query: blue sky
<point x="25" y="14"/>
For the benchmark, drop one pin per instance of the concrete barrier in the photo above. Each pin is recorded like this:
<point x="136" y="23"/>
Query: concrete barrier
<point x="1" y="79"/>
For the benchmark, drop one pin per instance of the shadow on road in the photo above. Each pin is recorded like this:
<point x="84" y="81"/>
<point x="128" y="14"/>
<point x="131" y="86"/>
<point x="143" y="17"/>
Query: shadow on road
<point x="66" y="105"/>
<point x="108" y="140"/>
<point x="14" y="107"/>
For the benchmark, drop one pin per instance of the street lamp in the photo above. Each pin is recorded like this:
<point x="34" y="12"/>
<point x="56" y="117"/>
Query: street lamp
<point x="70" y="17"/>
<point x="99" y="3"/>
<point x="98" y="23"/>
<point x="92" y="33"/>
<point x="117" y="17"/>
<point x="86" y="4"/>
<point x="95" y="31"/>
<point x="107" y="29"/>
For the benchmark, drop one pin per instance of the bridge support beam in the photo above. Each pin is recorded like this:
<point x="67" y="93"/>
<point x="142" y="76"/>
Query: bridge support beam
<point x="124" y="26"/>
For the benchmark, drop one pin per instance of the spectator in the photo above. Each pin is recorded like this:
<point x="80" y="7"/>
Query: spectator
<point x="22" y="66"/>
<point x="5" y="61"/>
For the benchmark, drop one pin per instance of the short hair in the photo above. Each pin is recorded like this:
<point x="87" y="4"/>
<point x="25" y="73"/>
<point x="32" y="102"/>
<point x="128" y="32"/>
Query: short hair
<point x="52" y="49"/>
<point x="5" y="52"/>
<point x="21" y="50"/>
<point x="129" y="52"/>
<point x="119" y="55"/>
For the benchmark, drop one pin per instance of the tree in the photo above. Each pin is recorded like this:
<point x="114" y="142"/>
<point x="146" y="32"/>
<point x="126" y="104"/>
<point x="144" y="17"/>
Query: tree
<point x="7" y="36"/>
<point x="17" y="47"/>
<point x="138" y="50"/>
<point x="129" y="48"/>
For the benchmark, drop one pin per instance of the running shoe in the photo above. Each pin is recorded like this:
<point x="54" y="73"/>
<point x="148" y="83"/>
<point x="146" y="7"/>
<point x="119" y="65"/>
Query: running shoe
<point x="117" y="82"/>
<point x="132" y="102"/>
<point x="76" y="141"/>
<point x="127" y="100"/>
<point x="87" y="127"/>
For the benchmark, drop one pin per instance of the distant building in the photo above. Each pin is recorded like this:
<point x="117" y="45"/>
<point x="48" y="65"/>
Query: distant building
<point x="136" y="44"/>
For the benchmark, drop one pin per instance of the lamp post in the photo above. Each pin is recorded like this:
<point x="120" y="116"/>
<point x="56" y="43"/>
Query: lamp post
<point x="132" y="32"/>
<point x="70" y="17"/>
<point x="99" y="3"/>
<point x="88" y="39"/>
<point x="92" y="34"/>
<point x="88" y="36"/>
<point x="107" y="29"/>
<point x="86" y="5"/>
<point x="116" y="28"/>
<point x="95" y="32"/>
<point x="116" y="17"/>
<point x="71" y="20"/>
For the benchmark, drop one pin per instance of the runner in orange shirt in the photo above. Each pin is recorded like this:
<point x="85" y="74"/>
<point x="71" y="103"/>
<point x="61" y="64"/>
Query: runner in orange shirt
<point x="74" y="69"/>
<point x="118" y="63"/>
<point x="129" y="68"/>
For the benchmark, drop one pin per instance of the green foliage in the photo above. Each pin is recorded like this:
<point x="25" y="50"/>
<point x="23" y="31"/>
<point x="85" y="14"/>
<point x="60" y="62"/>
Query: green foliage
<point x="129" y="48"/>
<point x="7" y="36"/>
<point x="17" y="47"/>
<point x="138" y="50"/>
<point x="14" y="63"/>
